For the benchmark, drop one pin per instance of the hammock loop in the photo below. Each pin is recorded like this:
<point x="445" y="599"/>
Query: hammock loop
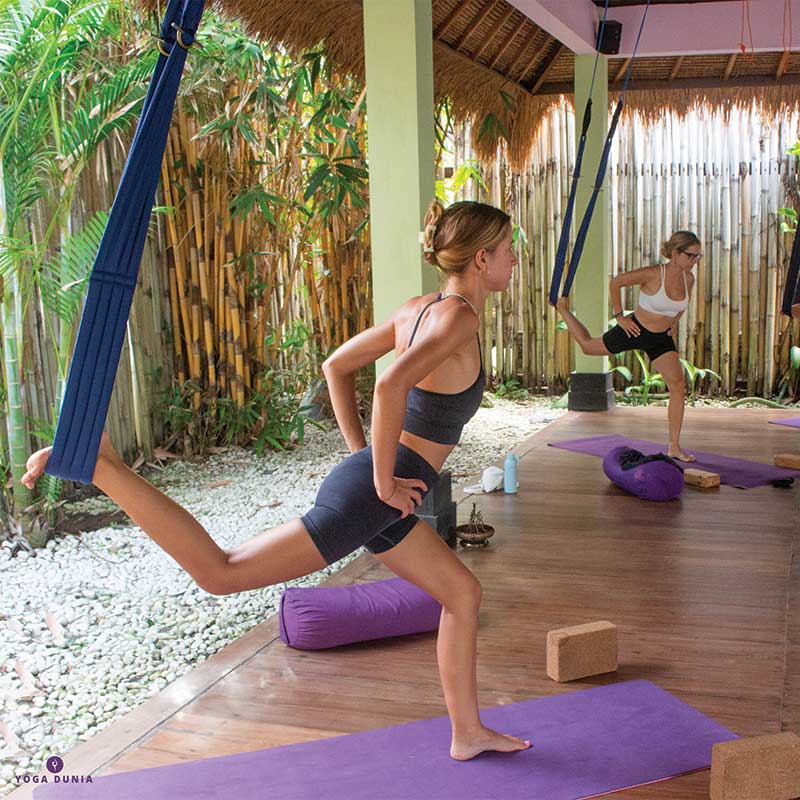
<point x="180" y="33"/>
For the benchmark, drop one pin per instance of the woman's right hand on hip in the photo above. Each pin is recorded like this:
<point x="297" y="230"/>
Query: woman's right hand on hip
<point x="406" y="495"/>
<point x="628" y="324"/>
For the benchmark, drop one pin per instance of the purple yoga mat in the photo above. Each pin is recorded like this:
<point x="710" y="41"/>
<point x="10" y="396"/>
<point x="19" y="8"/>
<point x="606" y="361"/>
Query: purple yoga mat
<point x="585" y="743"/>
<point x="792" y="422"/>
<point x="733" y="471"/>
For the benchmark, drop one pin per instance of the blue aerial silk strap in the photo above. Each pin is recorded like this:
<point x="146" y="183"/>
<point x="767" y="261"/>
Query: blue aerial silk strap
<point x="563" y="242"/>
<point x="101" y="332"/>
<point x="791" y="292"/>
<point x="583" y="230"/>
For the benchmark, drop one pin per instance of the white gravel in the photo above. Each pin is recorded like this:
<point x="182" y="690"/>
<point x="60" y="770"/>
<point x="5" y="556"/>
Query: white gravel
<point x="125" y="620"/>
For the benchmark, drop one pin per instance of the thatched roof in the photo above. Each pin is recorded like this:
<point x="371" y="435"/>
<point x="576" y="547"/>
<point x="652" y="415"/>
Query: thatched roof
<point x="489" y="58"/>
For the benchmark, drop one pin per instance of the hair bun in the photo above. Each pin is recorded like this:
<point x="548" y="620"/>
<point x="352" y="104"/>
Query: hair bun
<point x="432" y="217"/>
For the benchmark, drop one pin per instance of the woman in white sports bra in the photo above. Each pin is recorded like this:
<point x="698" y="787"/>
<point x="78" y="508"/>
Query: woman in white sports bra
<point x="663" y="299"/>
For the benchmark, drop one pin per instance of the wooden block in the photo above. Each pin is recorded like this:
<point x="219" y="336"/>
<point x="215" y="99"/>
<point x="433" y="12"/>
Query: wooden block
<point x="789" y="460"/>
<point x="701" y="478"/>
<point x="581" y="651"/>
<point x="756" y="768"/>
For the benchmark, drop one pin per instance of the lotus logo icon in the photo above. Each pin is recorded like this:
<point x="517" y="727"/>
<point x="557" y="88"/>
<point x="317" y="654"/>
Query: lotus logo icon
<point x="55" y="764"/>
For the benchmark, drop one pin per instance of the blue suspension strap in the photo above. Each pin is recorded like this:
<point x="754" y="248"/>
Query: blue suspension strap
<point x="563" y="242"/>
<point x="583" y="231"/>
<point x="113" y="279"/>
<point x="791" y="291"/>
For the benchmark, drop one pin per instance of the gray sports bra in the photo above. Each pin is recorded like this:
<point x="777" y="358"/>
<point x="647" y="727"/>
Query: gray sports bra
<point x="441" y="416"/>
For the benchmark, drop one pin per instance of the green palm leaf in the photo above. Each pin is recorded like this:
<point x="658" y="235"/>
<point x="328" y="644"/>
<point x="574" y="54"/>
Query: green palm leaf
<point x="63" y="279"/>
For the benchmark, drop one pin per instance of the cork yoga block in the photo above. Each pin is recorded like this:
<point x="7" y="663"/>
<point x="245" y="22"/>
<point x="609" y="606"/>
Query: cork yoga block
<point x="581" y="651"/>
<point x="788" y="460"/>
<point x="756" y="768"/>
<point x="701" y="478"/>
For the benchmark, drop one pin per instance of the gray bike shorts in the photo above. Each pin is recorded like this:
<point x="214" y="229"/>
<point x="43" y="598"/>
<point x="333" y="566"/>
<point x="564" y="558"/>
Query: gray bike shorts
<point x="348" y="513"/>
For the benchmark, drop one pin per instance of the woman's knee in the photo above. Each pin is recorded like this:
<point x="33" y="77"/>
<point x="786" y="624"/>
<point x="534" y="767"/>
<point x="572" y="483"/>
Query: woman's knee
<point x="677" y="386"/>
<point x="465" y="596"/>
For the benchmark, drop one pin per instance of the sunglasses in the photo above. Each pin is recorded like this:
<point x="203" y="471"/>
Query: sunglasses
<point x="693" y="256"/>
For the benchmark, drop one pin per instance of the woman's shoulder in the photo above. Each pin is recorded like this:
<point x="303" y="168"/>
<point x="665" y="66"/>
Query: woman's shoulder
<point x="440" y="315"/>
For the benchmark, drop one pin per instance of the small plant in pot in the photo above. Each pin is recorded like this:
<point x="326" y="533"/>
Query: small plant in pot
<point x="475" y="532"/>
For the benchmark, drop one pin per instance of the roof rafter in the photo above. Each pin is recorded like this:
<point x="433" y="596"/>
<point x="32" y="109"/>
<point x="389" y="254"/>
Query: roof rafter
<point x="729" y="66"/>
<point x="516" y="62"/>
<point x="467" y="60"/>
<point x="547" y="65"/>
<point x="450" y="20"/>
<point x="481" y="16"/>
<point x="676" y="68"/>
<point x="489" y="39"/>
<point x="784" y="62"/>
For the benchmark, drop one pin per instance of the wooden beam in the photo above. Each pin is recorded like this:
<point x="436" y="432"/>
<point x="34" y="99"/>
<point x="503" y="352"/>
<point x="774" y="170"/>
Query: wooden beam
<point x="489" y="39"/>
<point x="622" y="70"/>
<point x="729" y="66"/>
<point x="676" y="68"/>
<point x="784" y="62"/>
<point x="502" y="51"/>
<point x="544" y="70"/>
<point x="451" y="20"/>
<point x="515" y="63"/>
<point x="481" y="16"/>
<point x="744" y="81"/>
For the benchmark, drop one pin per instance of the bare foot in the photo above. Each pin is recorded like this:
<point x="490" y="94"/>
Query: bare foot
<point x="680" y="455"/>
<point x="35" y="467"/>
<point x="487" y="739"/>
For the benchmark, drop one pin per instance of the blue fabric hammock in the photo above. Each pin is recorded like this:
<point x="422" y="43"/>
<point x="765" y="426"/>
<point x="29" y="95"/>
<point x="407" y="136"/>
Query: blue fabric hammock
<point x="791" y="291"/>
<point x="113" y="278"/>
<point x="583" y="230"/>
<point x="563" y="242"/>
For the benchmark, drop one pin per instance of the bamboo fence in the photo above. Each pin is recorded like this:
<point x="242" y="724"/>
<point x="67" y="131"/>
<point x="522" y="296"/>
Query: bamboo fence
<point x="722" y="176"/>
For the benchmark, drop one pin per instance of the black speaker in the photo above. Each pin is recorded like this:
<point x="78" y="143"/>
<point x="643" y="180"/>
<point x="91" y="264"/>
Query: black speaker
<point x="612" y="33"/>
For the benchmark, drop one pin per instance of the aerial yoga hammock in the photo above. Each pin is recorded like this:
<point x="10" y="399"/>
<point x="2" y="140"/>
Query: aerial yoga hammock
<point x="113" y="277"/>
<point x="580" y="240"/>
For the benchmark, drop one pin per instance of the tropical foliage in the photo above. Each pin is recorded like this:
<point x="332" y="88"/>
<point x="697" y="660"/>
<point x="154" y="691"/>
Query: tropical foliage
<point x="264" y="199"/>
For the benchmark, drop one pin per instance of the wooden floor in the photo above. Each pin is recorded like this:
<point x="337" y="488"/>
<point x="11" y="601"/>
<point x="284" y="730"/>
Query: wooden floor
<point x="705" y="592"/>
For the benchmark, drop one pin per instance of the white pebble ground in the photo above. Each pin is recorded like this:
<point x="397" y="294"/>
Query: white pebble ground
<point x="132" y="620"/>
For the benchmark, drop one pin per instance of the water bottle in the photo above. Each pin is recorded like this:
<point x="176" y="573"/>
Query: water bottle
<point x="510" y="474"/>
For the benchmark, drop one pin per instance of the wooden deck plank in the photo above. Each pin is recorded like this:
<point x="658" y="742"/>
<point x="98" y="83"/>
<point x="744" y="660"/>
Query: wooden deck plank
<point x="705" y="591"/>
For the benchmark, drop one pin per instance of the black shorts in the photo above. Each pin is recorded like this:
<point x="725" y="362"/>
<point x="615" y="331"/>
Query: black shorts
<point x="654" y="344"/>
<point x="348" y="513"/>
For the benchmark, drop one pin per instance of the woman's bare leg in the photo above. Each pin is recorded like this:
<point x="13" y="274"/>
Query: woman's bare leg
<point x="671" y="370"/>
<point x="591" y="345"/>
<point x="277" y="555"/>
<point x="425" y="560"/>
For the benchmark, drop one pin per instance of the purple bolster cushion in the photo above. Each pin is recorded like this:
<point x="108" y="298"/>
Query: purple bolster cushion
<point x="329" y="616"/>
<point x="655" y="480"/>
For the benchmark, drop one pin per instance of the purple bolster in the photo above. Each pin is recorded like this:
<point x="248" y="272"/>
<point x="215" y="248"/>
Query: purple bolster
<point x="655" y="480"/>
<point x="329" y="616"/>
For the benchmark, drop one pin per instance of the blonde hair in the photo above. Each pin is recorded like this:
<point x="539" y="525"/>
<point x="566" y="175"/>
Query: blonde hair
<point x="679" y="240"/>
<point x="453" y="235"/>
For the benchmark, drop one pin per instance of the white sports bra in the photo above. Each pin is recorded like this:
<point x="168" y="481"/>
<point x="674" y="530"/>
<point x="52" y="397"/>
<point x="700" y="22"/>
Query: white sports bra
<point x="660" y="303"/>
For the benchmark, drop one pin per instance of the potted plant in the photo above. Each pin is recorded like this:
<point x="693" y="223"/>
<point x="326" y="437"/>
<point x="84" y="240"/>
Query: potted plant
<point x="475" y="532"/>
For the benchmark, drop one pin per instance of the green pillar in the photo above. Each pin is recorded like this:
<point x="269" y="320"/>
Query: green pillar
<point x="398" y="54"/>
<point x="590" y="386"/>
